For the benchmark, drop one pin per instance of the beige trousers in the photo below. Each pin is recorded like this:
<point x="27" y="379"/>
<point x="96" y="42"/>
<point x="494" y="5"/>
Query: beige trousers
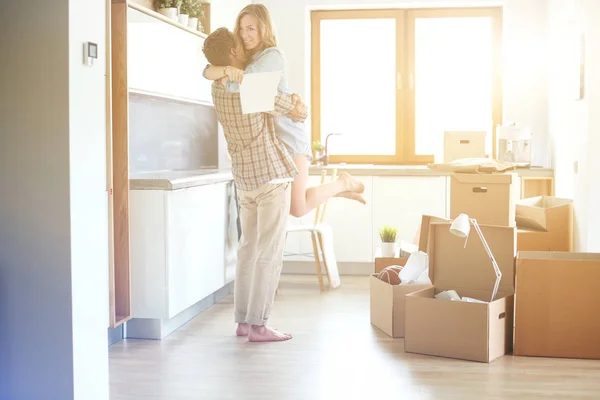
<point x="263" y="216"/>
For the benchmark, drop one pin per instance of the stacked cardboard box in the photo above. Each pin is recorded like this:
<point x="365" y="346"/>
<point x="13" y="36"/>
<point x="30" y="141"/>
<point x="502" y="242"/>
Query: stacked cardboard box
<point x="488" y="198"/>
<point x="545" y="224"/>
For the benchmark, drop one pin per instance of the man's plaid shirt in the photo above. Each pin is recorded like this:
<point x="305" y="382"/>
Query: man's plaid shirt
<point x="257" y="154"/>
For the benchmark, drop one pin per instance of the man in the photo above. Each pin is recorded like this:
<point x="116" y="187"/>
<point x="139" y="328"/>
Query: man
<point x="263" y="171"/>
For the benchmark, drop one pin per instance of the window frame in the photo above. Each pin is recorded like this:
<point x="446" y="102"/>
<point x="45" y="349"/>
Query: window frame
<point x="405" y="61"/>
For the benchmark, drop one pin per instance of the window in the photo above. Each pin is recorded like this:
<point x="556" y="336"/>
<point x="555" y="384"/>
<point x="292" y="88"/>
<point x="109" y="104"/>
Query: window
<point x="392" y="81"/>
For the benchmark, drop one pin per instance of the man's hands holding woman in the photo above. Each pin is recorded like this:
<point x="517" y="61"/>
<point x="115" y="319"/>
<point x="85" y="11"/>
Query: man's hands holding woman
<point x="234" y="74"/>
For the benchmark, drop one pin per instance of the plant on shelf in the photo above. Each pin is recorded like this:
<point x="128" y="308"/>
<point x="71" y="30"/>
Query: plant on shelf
<point x="194" y="9"/>
<point x="168" y="8"/>
<point x="388" y="241"/>
<point x="184" y="12"/>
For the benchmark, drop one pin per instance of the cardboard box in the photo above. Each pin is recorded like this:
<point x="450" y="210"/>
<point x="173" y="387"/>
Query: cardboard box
<point x="387" y="301"/>
<point x="463" y="144"/>
<point x="387" y="305"/>
<point x="488" y="198"/>
<point x="557" y="305"/>
<point x="547" y="214"/>
<point x="533" y="240"/>
<point x="469" y="331"/>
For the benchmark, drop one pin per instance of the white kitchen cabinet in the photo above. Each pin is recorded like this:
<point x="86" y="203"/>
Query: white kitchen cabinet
<point x="165" y="60"/>
<point x="232" y="235"/>
<point x="195" y="244"/>
<point x="178" y="241"/>
<point x="350" y="222"/>
<point x="400" y="201"/>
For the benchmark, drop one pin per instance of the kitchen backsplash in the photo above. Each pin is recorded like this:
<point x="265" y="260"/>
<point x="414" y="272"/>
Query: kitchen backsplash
<point x="171" y="135"/>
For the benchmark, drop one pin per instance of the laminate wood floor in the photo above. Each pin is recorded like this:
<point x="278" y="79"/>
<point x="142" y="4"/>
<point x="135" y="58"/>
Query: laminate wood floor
<point x="335" y="354"/>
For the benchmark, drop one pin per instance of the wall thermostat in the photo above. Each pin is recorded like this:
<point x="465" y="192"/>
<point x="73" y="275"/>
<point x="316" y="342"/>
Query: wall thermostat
<point x="90" y="53"/>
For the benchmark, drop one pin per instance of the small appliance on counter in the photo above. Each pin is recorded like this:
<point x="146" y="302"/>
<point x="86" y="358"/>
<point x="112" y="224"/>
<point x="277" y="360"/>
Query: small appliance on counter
<point x="514" y="145"/>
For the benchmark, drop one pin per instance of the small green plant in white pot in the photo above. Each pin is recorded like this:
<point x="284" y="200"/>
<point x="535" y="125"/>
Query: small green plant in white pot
<point x="184" y="12"/>
<point x="168" y="8"/>
<point x="194" y="9"/>
<point x="388" y="241"/>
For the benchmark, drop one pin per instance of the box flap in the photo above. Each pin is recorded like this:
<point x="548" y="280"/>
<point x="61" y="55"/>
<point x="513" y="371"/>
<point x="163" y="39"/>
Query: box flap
<point x="423" y="233"/>
<point x="533" y="212"/>
<point x="452" y="266"/>
<point x="505" y="177"/>
<point x="544" y="202"/>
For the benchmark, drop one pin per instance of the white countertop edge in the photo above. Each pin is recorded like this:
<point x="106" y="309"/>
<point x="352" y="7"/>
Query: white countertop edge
<point x="179" y="183"/>
<point x="164" y="183"/>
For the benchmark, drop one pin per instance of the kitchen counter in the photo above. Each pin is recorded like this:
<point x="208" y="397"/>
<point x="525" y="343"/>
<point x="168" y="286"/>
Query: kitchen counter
<point x="173" y="180"/>
<point x="413" y="170"/>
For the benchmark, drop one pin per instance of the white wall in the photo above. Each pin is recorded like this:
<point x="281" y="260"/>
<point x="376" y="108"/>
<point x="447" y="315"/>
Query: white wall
<point x="525" y="99"/>
<point x="574" y="126"/>
<point x="224" y="12"/>
<point x="593" y="98"/>
<point x="53" y="215"/>
<point x="89" y="207"/>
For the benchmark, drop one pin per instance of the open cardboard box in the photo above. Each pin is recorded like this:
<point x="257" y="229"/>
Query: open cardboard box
<point x="387" y="301"/>
<point x="550" y="215"/>
<point x="387" y="305"/>
<point x="557" y="305"/>
<point x="469" y="331"/>
<point x="488" y="198"/>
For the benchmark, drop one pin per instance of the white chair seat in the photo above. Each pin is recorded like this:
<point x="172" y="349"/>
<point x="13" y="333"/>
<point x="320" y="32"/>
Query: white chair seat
<point x="327" y="252"/>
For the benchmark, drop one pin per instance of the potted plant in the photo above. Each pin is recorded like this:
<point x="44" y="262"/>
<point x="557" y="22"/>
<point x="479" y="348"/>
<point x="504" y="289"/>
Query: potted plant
<point x="168" y="8"/>
<point x="318" y="150"/>
<point x="388" y="241"/>
<point x="184" y="12"/>
<point x="194" y="10"/>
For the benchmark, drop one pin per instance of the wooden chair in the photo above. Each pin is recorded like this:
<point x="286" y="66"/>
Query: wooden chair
<point x="322" y="241"/>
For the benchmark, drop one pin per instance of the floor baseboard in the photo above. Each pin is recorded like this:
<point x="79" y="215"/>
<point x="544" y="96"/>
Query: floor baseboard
<point x="115" y="335"/>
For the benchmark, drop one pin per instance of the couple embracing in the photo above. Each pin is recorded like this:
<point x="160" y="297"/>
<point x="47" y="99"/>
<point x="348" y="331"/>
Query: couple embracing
<point x="270" y="155"/>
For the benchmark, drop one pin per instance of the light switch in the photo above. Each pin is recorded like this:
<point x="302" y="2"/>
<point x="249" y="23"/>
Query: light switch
<point x="90" y="53"/>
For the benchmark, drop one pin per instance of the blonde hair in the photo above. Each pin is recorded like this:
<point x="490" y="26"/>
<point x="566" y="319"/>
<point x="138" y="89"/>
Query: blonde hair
<point x="265" y="27"/>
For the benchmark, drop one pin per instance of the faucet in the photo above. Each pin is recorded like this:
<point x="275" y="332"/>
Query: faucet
<point x="325" y="156"/>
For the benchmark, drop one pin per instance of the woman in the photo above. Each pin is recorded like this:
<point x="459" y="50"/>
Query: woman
<point x="257" y="48"/>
